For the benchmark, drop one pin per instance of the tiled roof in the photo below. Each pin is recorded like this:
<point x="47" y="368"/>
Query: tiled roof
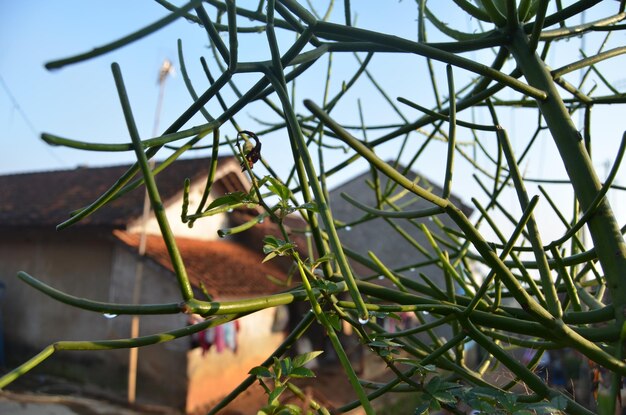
<point x="47" y="198"/>
<point x="227" y="269"/>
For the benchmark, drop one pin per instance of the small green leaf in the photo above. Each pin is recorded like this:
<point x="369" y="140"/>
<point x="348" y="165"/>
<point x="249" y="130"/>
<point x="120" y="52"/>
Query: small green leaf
<point x="278" y="188"/>
<point x="302" y="372"/>
<point x="276" y="393"/>
<point x="308" y="206"/>
<point x="270" y="243"/>
<point x="260" y="371"/>
<point x="377" y="343"/>
<point x="269" y="256"/>
<point x="322" y="259"/>
<point x="444" y="397"/>
<point x="423" y="409"/>
<point x="273" y="244"/>
<point x="286" y="366"/>
<point x="228" y="199"/>
<point x="435" y="405"/>
<point x="305" y="358"/>
<point x="508" y="401"/>
<point x="488" y="392"/>
<point x="278" y="370"/>
<point x="433" y="385"/>
<point x="324" y="285"/>
<point x="559" y="402"/>
<point x="546" y="408"/>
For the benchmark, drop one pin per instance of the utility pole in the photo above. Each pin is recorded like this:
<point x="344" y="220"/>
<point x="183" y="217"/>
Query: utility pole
<point x="166" y="69"/>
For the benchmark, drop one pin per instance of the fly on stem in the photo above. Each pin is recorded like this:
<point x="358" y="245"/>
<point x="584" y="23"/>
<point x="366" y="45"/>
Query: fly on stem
<point x="251" y="153"/>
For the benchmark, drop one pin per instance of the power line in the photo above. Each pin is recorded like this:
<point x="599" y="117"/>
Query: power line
<point x="17" y="107"/>
<point x="31" y="126"/>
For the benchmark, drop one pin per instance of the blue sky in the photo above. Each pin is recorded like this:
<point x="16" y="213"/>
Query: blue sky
<point x="80" y="101"/>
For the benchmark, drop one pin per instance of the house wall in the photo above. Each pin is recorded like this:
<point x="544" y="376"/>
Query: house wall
<point x="73" y="263"/>
<point x="173" y="373"/>
<point x="95" y="268"/>
<point x="212" y="375"/>
<point x="161" y="371"/>
<point x="204" y="228"/>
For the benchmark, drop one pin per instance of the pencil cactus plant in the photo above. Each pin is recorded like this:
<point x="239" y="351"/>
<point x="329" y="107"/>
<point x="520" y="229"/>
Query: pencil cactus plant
<point x="569" y="293"/>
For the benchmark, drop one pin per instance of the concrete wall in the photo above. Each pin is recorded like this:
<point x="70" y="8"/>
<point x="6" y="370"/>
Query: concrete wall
<point x="205" y="228"/>
<point x="161" y="373"/>
<point x="72" y="262"/>
<point x="94" y="266"/>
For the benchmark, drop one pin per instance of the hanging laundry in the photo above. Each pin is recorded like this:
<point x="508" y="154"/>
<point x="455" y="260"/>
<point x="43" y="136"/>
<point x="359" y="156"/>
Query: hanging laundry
<point x="222" y="337"/>
<point x="230" y="335"/>
<point x="220" y="343"/>
<point x="389" y="324"/>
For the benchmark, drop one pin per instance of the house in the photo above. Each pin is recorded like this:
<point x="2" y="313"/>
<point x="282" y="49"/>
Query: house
<point x="97" y="259"/>
<point x="379" y="236"/>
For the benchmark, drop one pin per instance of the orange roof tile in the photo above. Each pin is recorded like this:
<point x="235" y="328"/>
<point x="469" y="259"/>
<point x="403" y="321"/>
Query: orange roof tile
<point x="226" y="269"/>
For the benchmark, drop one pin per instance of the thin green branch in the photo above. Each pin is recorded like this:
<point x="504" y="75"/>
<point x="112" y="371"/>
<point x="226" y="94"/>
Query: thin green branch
<point x="126" y="39"/>
<point x="98" y="306"/>
<point x="552" y="301"/>
<point x="151" y="188"/>
<point x="200" y="130"/>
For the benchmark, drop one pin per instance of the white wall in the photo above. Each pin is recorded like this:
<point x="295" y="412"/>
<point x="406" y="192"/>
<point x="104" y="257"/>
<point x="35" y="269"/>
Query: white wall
<point x="205" y="228"/>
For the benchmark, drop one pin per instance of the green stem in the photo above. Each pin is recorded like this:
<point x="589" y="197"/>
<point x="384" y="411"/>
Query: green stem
<point x="110" y="345"/>
<point x="151" y="188"/>
<point x="295" y="134"/>
<point x="404" y="45"/>
<point x="533" y="381"/>
<point x="249" y="305"/>
<point x="120" y="184"/>
<point x="533" y="230"/>
<point x="97" y="306"/>
<point x="109" y="147"/>
<point x="528" y="303"/>
<point x="332" y="335"/>
<point x="603" y="227"/>
<point x="26" y="366"/>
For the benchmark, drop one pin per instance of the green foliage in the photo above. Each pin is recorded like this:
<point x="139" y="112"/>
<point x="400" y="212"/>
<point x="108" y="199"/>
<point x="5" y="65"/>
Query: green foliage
<point x="279" y="376"/>
<point x="273" y="247"/>
<point x="492" y="281"/>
